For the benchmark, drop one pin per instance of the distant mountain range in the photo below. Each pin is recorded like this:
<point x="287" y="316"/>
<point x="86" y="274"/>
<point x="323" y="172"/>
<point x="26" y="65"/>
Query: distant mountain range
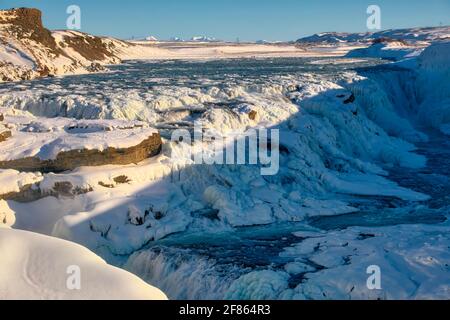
<point x="409" y="35"/>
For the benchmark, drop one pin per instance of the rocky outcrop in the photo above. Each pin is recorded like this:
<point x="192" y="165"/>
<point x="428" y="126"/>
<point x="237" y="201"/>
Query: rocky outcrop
<point x="4" y="135"/>
<point x="30" y="50"/>
<point x="27" y="193"/>
<point x="252" y="115"/>
<point x="79" y="158"/>
<point x="26" y="24"/>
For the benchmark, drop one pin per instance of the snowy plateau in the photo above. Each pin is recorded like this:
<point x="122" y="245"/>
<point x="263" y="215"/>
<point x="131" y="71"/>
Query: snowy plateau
<point x="90" y="177"/>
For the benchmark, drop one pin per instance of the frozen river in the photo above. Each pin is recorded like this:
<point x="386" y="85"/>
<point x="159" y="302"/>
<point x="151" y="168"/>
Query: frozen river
<point x="347" y="195"/>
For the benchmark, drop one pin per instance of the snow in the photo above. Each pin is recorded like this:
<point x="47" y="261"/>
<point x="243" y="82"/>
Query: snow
<point x="7" y="216"/>
<point x="331" y="152"/>
<point x="111" y="219"/>
<point x="196" y="50"/>
<point x="9" y="54"/>
<point x="394" y="51"/>
<point x="413" y="261"/>
<point x="36" y="267"/>
<point x="411" y="35"/>
<point x="341" y="134"/>
<point x="203" y="39"/>
<point x="13" y="181"/>
<point x="432" y="69"/>
<point x="46" y="138"/>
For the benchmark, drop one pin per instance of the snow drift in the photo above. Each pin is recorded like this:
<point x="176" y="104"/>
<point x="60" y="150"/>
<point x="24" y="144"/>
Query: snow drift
<point x="36" y="267"/>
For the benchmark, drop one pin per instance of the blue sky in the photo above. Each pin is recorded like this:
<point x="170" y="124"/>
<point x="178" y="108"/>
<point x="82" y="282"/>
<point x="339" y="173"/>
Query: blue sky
<point x="231" y="19"/>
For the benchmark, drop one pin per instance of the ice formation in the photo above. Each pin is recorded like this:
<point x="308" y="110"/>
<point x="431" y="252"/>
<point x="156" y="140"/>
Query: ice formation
<point x="343" y="133"/>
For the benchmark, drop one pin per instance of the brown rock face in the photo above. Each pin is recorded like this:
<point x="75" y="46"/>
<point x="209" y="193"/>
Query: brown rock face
<point x="24" y="26"/>
<point x="5" y="135"/>
<point x="26" y="194"/>
<point x="27" y="24"/>
<point x="79" y="158"/>
<point x="252" y="115"/>
<point x="91" y="48"/>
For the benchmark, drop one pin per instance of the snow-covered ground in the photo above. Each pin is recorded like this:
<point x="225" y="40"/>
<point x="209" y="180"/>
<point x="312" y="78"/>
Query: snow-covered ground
<point x="46" y="138"/>
<point x="223" y="50"/>
<point x="394" y="51"/>
<point x="357" y="143"/>
<point x="341" y="133"/>
<point x="41" y="267"/>
<point x="411" y="35"/>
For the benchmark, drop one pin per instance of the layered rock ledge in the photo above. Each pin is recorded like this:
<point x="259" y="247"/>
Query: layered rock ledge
<point x="60" y="144"/>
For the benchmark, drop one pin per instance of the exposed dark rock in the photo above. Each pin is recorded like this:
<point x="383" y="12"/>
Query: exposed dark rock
<point x="106" y="185"/>
<point x="26" y="23"/>
<point x="95" y="67"/>
<point x="79" y="158"/>
<point x="27" y="193"/>
<point x="252" y="115"/>
<point x="90" y="47"/>
<point x="351" y="99"/>
<point x="4" y="135"/>
<point x="388" y="40"/>
<point x="24" y="26"/>
<point x="121" y="179"/>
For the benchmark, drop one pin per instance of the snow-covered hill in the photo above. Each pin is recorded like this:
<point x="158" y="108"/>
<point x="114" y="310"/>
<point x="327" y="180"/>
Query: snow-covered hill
<point x="387" y="49"/>
<point x="40" y="267"/>
<point x="410" y="35"/>
<point x="28" y="50"/>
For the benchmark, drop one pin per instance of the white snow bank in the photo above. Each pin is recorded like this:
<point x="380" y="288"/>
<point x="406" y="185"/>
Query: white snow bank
<point x="40" y="267"/>
<point x="13" y="181"/>
<point x="124" y="219"/>
<point x="10" y="54"/>
<point x="394" y="51"/>
<point x="7" y="216"/>
<point x="46" y="138"/>
<point x="436" y="57"/>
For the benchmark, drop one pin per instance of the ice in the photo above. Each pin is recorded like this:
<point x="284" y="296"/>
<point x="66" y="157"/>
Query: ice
<point x="343" y="135"/>
<point x="330" y="148"/>
<point x="410" y="35"/>
<point x="411" y="269"/>
<point x="259" y="285"/>
<point x="394" y="51"/>
<point x="434" y="85"/>
<point x="199" y="277"/>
